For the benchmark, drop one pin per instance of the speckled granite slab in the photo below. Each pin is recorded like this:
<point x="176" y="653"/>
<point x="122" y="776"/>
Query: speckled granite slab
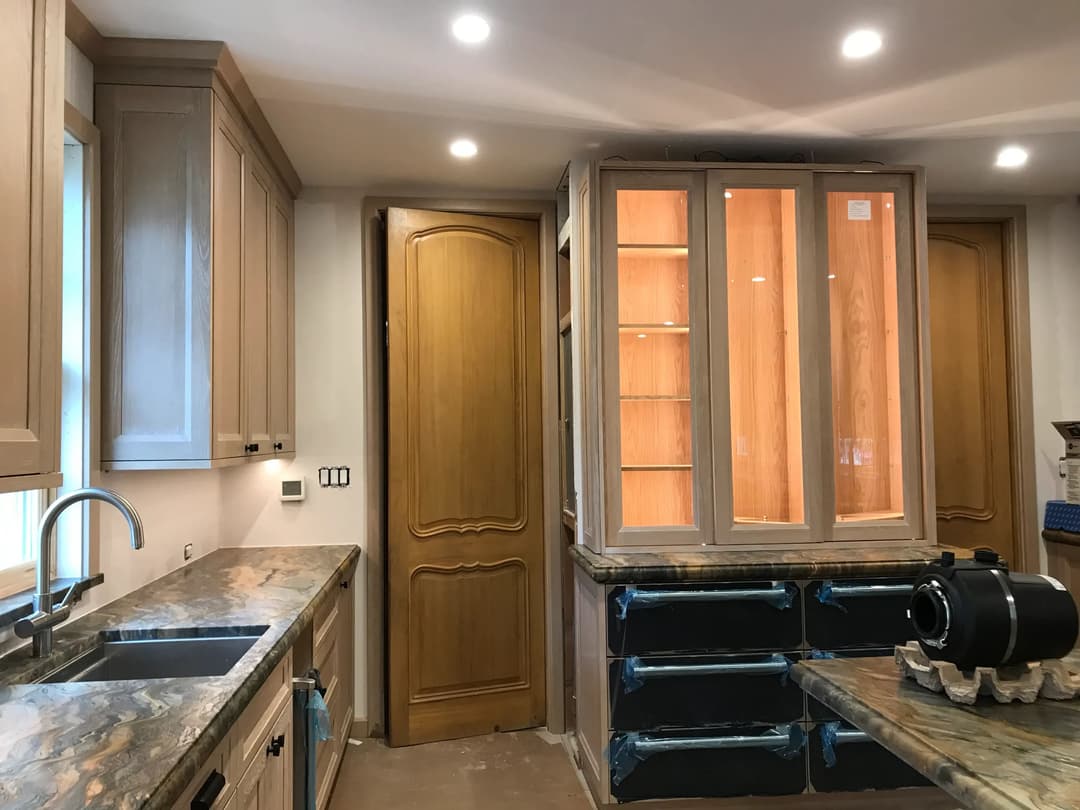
<point x="733" y="564"/>
<point x="138" y="744"/>
<point x="989" y="756"/>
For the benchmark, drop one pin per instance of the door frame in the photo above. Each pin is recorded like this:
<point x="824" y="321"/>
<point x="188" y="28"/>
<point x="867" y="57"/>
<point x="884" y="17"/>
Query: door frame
<point x="1013" y="219"/>
<point x="543" y="212"/>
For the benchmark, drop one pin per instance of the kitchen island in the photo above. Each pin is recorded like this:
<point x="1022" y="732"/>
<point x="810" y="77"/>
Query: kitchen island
<point x="989" y="756"/>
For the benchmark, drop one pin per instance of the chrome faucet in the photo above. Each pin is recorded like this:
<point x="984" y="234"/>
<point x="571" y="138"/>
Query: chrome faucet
<point x="41" y="622"/>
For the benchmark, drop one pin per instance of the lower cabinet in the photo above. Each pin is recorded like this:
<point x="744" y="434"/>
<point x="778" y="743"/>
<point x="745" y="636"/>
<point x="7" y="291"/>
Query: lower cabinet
<point x="842" y="758"/>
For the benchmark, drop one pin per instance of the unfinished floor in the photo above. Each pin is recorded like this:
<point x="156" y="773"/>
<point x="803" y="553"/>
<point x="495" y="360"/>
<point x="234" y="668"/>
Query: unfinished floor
<point x="525" y="770"/>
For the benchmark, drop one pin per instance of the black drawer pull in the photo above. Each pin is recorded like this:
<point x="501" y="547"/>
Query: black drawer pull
<point x="279" y="445"/>
<point x="833" y="734"/>
<point x="635" y="673"/>
<point x="251" y="448"/>
<point x="830" y="593"/>
<point x="779" y="596"/>
<point x="628" y="750"/>
<point x="276" y="746"/>
<point x="208" y="793"/>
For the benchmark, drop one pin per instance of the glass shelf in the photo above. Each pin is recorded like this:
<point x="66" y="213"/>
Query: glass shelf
<point x="654" y="251"/>
<point x="654" y="328"/>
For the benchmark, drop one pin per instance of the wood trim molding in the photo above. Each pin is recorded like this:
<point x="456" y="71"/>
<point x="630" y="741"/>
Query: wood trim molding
<point x="373" y="268"/>
<point x="83" y="33"/>
<point x="193" y="63"/>
<point x="1013" y="219"/>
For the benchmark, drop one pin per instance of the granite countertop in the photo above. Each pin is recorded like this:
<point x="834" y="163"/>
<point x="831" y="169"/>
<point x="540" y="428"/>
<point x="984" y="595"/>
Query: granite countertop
<point x="733" y="564"/>
<point x="138" y="744"/>
<point x="989" y="756"/>
<point x="16" y="606"/>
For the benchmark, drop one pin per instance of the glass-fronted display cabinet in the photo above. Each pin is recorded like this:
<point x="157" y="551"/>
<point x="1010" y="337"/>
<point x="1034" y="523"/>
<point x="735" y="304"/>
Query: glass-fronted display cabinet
<point x="758" y="361"/>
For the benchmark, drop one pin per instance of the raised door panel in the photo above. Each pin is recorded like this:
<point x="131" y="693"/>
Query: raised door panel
<point x="156" y="148"/>
<point x="465" y="475"/>
<point x="267" y="783"/>
<point x="31" y="62"/>
<point x="229" y="171"/>
<point x="973" y="476"/>
<point x="257" y="251"/>
<point x="282" y="330"/>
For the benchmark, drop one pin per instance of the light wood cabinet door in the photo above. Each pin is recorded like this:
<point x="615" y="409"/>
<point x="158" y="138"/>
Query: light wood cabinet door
<point x="32" y="97"/>
<point x="230" y="172"/>
<point x="267" y="783"/>
<point x="256" y="321"/>
<point x="282" y="331"/>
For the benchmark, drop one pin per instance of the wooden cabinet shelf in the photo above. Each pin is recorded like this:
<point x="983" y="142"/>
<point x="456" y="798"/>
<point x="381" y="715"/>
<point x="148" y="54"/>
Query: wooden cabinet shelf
<point x="757" y="368"/>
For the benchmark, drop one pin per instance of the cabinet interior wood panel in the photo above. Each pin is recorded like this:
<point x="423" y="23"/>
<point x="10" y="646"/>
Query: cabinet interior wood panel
<point x="657" y="364"/>
<point x="656" y="431"/>
<point x="156" y="276"/>
<point x="31" y="168"/>
<point x="651" y="217"/>
<point x="256" y="320"/>
<point x="658" y="497"/>
<point x="865" y="355"/>
<point x="763" y="355"/>
<point x="653" y="289"/>
<point x="229" y="412"/>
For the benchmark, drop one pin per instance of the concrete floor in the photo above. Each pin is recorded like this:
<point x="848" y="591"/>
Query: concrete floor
<point x="524" y="770"/>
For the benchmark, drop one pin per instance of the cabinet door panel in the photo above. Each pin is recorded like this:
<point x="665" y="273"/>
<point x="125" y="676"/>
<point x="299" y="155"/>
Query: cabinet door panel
<point x="155" y="272"/>
<point x="229" y="416"/>
<point x="282" y="335"/>
<point x="257" y="208"/>
<point x="30" y="165"/>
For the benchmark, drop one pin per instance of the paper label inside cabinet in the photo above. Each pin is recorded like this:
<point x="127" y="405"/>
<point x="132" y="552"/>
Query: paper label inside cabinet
<point x="858" y="210"/>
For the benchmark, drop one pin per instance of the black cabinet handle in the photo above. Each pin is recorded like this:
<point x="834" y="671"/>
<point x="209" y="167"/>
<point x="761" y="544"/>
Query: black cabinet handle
<point x="345" y="584"/>
<point x="208" y="793"/>
<point x="251" y="448"/>
<point x="276" y="746"/>
<point x="279" y="445"/>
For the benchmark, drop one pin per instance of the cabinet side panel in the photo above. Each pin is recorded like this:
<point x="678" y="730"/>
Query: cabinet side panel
<point x="155" y="272"/>
<point x="590" y="677"/>
<point x="281" y="326"/>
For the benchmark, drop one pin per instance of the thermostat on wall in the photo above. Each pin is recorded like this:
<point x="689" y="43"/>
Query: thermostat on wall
<point x="292" y="489"/>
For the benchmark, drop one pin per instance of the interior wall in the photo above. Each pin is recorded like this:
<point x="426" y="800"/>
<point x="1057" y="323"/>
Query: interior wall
<point x="329" y="406"/>
<point x="1053" y="225"/>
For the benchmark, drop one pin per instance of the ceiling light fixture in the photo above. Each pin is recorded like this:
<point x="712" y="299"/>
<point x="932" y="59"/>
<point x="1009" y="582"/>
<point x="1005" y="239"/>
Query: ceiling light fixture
<point x="1012" y="157"/>
<point x="463" y="148"/>
<point x="472" y="29"/>
<point x="861" y="44"/>
<point x="758" y="279"/>
<point x="642" y="336"/>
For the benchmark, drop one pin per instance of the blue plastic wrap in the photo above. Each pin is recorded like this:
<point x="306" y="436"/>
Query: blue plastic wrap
<point x="624" y="599"/>
<point x="323" y="727"/>
<point x="825" y="595"/>
<point x="796" y="741"/>
<point x="623" y="756"/>
<point x="821" y="655"/>
<point x="631" y="682"/>
<point x="828" y="743"/>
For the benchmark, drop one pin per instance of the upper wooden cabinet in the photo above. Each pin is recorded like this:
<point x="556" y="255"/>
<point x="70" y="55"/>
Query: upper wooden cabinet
<point x="759" y="368"/>
<point x="197" y="281"/>
<point x="31" y="165"/>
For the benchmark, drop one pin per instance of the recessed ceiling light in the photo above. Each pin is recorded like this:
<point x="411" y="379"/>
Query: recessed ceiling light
<point x="471" y="29"/>
<point x="1012" y="157"/>
<point x="862" y="43"/>
<point x="463" y="148"/>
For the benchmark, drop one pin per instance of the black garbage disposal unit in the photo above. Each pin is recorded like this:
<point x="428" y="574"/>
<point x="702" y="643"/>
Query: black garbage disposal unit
<point x="974" y="613"/>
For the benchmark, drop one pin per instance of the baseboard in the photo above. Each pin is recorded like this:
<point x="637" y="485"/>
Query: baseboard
<point x="904" y="799"/>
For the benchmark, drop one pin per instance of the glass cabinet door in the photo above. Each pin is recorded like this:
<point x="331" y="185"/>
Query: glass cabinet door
<point x="658" y="272"/>
<point x="762" y="229"/>
<point x="871" y="349"/>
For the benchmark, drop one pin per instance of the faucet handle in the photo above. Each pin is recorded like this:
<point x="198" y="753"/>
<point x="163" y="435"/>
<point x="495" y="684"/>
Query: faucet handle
<point x="75" y="592"/>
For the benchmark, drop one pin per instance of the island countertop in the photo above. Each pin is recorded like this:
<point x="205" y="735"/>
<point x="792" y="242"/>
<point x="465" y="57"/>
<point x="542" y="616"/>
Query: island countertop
<point x="138" y="744"/>
<point x="989" y="756"/>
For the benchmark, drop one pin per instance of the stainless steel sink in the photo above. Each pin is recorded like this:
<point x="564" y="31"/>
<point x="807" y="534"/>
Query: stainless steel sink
<point x="195" y="653"/>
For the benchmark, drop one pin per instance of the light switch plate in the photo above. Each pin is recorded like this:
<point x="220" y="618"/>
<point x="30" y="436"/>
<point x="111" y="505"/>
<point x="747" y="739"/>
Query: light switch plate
<point x="189" y="551"/>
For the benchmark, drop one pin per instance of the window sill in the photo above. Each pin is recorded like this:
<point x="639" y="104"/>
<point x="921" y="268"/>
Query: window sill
<point x="18" y="605"/>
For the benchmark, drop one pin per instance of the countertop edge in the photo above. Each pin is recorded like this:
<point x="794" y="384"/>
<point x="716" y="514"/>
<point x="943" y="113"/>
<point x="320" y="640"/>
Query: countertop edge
<point x="954" y="779"/>
<point x="628" y="572"/>
<point x="179" y="778"/>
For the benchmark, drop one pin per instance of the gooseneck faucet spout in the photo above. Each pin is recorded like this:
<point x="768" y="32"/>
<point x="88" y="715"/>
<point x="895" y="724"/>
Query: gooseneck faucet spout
<point x="45" y="618"/>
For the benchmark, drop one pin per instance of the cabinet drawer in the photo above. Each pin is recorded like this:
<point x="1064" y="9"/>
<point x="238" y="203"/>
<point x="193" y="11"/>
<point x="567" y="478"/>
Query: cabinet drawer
<point x="712" y="617"/>
<point x="329" y="752"/>
<point x="696" y="691"/>
<point x="216" y="774"/>
<point x="845" y="759"/>
<point x="326" y="625"/>
<point x="857" y="613"/>
<point x="261" y="714"/>
<point x="743" y="761"/>
<point x="817" y="710"/>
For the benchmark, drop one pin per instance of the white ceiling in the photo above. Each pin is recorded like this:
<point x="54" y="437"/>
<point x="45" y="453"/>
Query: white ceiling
<point x="369" y="94"/>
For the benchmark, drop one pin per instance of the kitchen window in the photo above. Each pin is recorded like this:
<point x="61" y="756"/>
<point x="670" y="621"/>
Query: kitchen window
<point x="20" y="512"/>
